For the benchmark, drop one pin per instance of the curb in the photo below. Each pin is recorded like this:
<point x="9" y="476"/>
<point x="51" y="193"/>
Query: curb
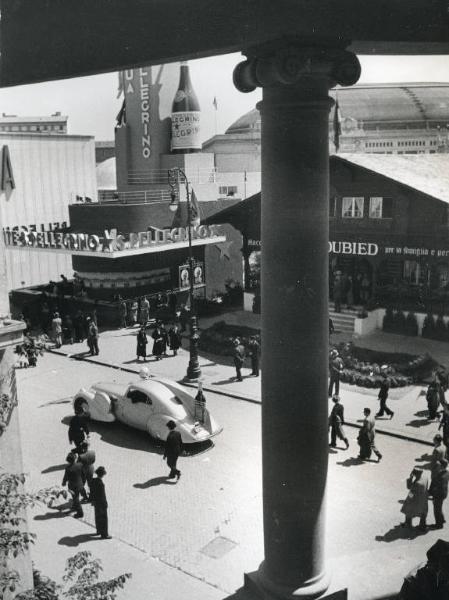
<point x="394" y="434"/>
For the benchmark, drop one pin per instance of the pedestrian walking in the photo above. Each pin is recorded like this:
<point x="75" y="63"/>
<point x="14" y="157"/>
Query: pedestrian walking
<point x="144" y="311"/>
<point x="87" y="460"/>
<point x="367" y="436"/>
<point x="336" y="422"/>
<point x="78" y="323"/>
<point x="416" y="502"/>
<point x="337" y="292"/>
<point x="142" y="342"/>
<point x="158" y="344"/>
<point x="335" y="369"/>
<point x="173" y="448"/>
<point x="444" y="425"/>
<point x="67" y="330"/>
<point x="174" y="337"/>
<point x="56" y="328"/>
<point x="183" y="317"/>
<point x="78" y="428"/>
<point x="92" y="338"/>
<point x="239" y="358"/>
<point x="439" y="453"/>
<point x="433" y="400"/>
<point x="438" y="491"/>
<point x="133" y="313"/>
<point x="100" y="503"/>
<point x="122" y="311"/>
<point x="165" y="339"/>
<point x="383" y="395"/>
<point x="254" y="354"/>
<point x="331" y="328"/>
<point x="74" y="481"/>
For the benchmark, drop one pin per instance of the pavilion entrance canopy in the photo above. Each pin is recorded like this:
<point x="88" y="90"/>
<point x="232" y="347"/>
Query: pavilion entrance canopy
<point x="54" y="39"/>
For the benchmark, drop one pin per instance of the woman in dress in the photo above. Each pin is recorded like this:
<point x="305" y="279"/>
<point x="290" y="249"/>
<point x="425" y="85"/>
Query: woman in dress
<point x="158" y="344"/>
<point x="142" y="342"/>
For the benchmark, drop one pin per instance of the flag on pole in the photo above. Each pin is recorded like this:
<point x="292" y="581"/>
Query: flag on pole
<point x="215" y="103"/>
<point x="194" y="210"/>
<point x="121" y="117"/>
<point x="337" y="126"/>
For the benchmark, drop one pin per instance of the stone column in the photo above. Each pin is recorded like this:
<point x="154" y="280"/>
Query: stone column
<point x="295" y="234"/>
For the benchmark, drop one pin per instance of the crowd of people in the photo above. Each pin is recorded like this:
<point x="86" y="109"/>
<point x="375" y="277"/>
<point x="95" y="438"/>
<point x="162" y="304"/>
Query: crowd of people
<point x="349" y="290"/>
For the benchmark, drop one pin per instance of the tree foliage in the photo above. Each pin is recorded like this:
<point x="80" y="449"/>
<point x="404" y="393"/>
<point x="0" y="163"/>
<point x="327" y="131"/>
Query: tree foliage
<point x="82" y="572"/>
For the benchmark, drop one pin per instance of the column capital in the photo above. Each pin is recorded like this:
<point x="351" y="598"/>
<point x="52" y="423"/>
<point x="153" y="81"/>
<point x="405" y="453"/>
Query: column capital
<point x="293" y="63"/>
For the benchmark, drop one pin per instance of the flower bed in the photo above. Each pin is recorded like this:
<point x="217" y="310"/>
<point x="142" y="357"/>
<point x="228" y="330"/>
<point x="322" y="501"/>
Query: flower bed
<point x="363" y="367"/>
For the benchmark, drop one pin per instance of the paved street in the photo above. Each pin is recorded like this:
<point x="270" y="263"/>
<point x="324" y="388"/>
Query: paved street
<point x="206" y="529"/>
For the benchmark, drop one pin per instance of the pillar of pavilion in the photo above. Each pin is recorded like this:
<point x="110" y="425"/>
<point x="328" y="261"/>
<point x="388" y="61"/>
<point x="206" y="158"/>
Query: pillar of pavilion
<point x="295" y="221"/>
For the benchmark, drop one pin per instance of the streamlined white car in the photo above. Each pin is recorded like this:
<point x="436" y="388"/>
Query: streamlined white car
<point x="148" y="404"/>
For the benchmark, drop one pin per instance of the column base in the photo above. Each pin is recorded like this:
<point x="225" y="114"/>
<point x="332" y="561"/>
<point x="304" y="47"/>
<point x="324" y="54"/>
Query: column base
<point x="258" y="588"/>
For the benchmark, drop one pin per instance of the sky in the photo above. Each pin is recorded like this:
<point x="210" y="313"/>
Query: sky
<point x="91" y="102"/>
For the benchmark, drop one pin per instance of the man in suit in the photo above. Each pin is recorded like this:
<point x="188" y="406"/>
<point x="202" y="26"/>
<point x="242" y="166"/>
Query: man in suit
<point x="439" y="453"/>
<point x="78" y="428"/>
<point x="336" y="422"/>
<point x="239" y="358"/>
<point x="438" y="491"/>
<point x="173" y="448"/>
<point x="366" y="437"/>
<point x="98" y="499"/>
<point x="383" y="395"/>
<point x="74" y="480"/>
<point x="335" y="369"/>
<point x="254" y="353"/>
<point x="87" y="460"/>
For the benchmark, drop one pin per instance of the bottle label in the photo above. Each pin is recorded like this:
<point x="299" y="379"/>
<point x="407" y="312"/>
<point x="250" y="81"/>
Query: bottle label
<point x="185" y="130"/>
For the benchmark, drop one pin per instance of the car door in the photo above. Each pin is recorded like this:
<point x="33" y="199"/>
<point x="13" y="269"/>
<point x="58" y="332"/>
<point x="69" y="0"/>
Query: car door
<point x="136" y="408"/>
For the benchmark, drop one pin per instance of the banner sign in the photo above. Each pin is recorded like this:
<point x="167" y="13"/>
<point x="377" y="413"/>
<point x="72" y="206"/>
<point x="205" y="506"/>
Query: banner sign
<point x="184" y="275"/>
<point x="110" y="241"/>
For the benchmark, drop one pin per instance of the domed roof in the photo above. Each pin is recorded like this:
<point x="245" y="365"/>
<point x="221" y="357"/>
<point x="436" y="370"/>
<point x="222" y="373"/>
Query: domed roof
<point x="383" y="102"/>
<point x="247" y="122"/>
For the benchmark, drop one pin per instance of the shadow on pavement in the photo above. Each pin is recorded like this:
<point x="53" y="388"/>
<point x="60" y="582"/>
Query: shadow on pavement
<point x="353" y="461"/>
<point x="79" y="355"/>
<point x="154" y="482"/>
<point x="76" y="540"/>
<point x="54" y="468"/>
<point x="51" y="515"/>
<point x="398" y="532"/>
<point x="65" y="400"/>
<point x="421" y="413"/>
<point x="418" y="423"/>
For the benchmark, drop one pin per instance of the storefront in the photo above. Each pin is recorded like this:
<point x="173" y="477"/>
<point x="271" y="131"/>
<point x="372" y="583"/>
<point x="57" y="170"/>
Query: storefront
<point x="388" y="228"/>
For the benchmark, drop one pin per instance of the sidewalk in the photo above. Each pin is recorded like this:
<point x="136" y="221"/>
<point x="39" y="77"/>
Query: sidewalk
<point x="117" y="350"/>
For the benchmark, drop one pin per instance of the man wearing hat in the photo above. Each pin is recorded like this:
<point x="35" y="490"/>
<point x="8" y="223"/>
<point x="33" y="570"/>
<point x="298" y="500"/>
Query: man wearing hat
<point x="383" y="395"/>
<point x="438" y="490"/>
<point x="173" y="448"/>
<point x="98" y="499"/>
<point x="335" y="369"/>
<point x="239" y="357"/>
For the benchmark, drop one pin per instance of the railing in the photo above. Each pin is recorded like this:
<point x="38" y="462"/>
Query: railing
<point x="160" y="176"/>
<point x="134" y="197"/>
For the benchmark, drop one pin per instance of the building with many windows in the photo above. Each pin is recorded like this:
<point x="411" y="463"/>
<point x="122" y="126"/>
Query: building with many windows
<point x="55" y="124"/>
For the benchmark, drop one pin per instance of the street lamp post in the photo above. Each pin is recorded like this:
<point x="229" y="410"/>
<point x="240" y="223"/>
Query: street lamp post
<point x="193" y="370"/>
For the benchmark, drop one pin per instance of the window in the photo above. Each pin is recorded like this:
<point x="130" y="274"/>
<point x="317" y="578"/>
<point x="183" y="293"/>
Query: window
<point x="137" y="396"/>
<point x="380" y="208"/>
<point x="352" y="208"/>
<point x="411" y="271"/>
<point x="227" y="190"/>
